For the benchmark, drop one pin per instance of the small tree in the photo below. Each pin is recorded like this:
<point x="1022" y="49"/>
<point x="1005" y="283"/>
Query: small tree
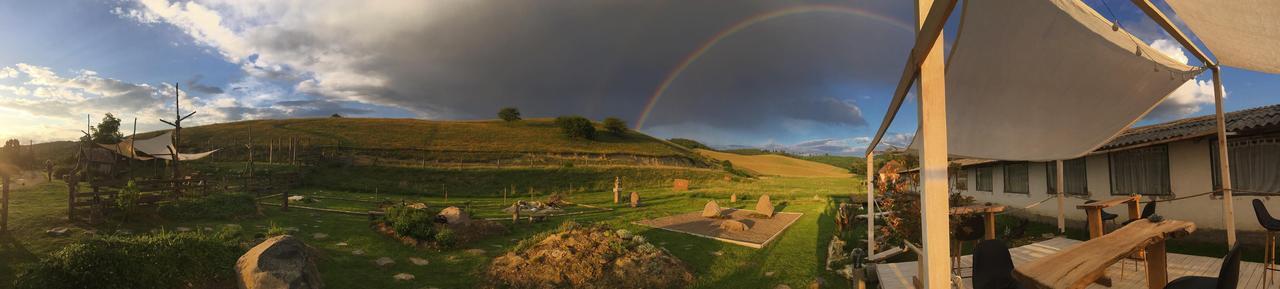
<point x="108" y="131"/>
<point x="615" y="125"/>
<point x="576" y="127"/>
<point x="509" y="114"/>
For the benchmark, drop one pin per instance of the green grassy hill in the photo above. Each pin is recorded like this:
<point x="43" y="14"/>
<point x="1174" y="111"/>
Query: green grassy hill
<point x="777" y="165"/>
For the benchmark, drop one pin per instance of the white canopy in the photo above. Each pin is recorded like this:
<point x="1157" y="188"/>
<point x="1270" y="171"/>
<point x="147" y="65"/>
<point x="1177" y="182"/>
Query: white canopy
<point x="1240" y="33"/>
<point x="1052" y="81"/>
<point x="161" y="147"/>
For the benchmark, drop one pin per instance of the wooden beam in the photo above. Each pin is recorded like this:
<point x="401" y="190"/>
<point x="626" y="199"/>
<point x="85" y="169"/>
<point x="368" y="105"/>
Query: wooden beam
<point x="1224" y="162"/>
<point x="934" y="197"/>
<point x="927" y="35"/>
<point x="1163" y="21"/>
<point x="1062" y="202"/>
<point x="871" y="204"/>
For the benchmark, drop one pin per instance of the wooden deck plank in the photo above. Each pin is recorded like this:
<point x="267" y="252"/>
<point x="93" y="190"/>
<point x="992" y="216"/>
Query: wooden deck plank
<point x="898" y="275"/>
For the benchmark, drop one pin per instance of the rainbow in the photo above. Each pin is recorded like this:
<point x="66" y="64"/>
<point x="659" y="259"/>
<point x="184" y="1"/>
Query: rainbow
<point x="748" y="22"/>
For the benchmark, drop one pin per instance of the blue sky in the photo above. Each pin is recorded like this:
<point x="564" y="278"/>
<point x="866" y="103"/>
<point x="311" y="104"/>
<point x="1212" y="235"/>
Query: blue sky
<point x="815" y="82"/>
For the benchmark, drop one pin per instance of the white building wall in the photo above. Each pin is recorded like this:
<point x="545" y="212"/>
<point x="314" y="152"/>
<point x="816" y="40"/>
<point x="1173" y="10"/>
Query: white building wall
<point x="1190" y="173"/>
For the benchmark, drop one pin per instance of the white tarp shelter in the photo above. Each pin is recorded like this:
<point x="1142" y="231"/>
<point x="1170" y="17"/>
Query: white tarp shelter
<point x="161" y="147"/>
<point x="1241" y="33"/>
<point x="1052" y="81"/>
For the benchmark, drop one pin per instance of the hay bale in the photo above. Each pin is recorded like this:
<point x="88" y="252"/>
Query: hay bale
<point x="764" y="206"/>
<point x="711" y="210"/>
<point x="680" y="185"/>
<point x="734" y="226"/>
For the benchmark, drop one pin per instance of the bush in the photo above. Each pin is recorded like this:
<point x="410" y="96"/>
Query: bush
<point x="163" y="260"/>
<point x="127" y="201"/>
<point x="615" y="125"/>
<point x="509" y="114"/>
<point x="446" y="237"/>
<point x="213" y="207"/>
<point x="576" y="127"/>
<point x="410" y="222"/>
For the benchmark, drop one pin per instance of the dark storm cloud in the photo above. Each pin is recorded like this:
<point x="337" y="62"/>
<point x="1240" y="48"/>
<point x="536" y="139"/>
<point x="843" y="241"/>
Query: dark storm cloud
<point x="466" y="59"/>
<point x="194" y="84"/>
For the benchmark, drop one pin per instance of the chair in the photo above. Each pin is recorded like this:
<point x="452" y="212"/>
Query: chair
<point x="1228" y="275"/>
<point x="993" y="266"/>
<point x="1106" y="217"/>
<point x="971" y="228"/>
<point x="1147" y="211"/>
<point x="1272" y="225"/>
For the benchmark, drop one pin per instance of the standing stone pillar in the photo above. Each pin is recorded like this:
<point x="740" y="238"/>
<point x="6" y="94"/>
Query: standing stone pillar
<point x="617" y="189"/>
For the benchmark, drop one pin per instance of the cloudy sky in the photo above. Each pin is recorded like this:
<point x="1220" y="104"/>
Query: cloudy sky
<point x="805" y="76"/>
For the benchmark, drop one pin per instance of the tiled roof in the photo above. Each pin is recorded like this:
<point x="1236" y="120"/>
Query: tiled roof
<point x="1247" y="119"/>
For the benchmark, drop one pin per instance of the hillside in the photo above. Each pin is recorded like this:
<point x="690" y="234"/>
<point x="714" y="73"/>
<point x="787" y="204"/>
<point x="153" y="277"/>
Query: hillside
<point x="414" y="142"/>
<point x="777" y="165"/>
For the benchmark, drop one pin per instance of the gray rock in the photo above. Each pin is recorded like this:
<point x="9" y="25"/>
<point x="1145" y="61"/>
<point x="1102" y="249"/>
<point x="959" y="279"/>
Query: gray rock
<point x="182" y="229"/>
<point x="734" y="226"/>
<point x="418" y="261"/>
<point x="58" y="231"/>
<point x="384" y="262"/>
<point x="764" y="206"/>
<point x="403" y="277"/>
<point x="279" y="262"/>
<point x="358" y="252"/>
<point x="455" y="216"/>
<point x="319" y="236"/>
<point x="711" y="210"/>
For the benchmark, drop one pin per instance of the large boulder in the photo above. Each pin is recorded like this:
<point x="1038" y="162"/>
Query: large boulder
<point x="279" y="262"/>
<point x="711" y="210"/>
<point x="455" y="216"/>
<point x="734" y="225"/>
<point x="764" y="206"/>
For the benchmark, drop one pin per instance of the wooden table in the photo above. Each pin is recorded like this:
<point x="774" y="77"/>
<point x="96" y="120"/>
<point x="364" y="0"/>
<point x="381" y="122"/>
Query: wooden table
<point x="990" y="216"/>
<point x="1081" y="265"/>
<point x="1094" y="210"/>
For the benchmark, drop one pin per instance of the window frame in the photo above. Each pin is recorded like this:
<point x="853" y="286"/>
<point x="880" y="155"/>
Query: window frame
<point x="991" y="182"/>
<point x="1051" y="177"/>
<point x="1167" y="178"/>
<point x="1026" y="177"/>
<point x="1215" y="167"/>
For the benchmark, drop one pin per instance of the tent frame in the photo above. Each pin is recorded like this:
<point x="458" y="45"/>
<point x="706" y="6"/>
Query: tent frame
<point x="925" y="64"/>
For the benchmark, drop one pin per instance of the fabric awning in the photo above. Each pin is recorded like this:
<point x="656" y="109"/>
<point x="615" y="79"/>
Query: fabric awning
<point x="125" y="148"/>
<point x="161" y="147"/>
<point x="1239" y="33"/>
<point x="1053" y="81"/>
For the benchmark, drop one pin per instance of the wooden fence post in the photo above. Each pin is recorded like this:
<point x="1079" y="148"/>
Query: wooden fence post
<point x="4" y="205"/>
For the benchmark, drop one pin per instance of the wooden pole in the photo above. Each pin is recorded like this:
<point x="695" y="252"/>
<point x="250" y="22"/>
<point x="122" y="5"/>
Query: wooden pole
<point x="4" y="205"/>
<point x="934" y="207"/>
<point x="871" y="204"/>
<point x="1062" y="200"/>
<point x="1224" y="162"/>
<point x="271" y="151"/>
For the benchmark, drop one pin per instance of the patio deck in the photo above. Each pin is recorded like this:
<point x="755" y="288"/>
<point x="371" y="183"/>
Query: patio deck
<point x="898" y="275"/>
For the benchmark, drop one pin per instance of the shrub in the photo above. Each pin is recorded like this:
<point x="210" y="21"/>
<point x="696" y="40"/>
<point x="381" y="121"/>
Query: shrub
<point x="410" y="222"/>
<point x="576" y="127"/>
<point x="218" y="206"/>
<point x="446" y="237"/>
<point x="162" y="260"/>
<point x="127" y="201"/>
<point x="509" y="114"/>
<point x="275" y="230"/>
<point x="615" y="125"/>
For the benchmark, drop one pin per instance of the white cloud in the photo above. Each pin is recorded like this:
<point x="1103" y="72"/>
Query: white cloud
<point x="8" y="72"/>
<point x="1188" y="98"/>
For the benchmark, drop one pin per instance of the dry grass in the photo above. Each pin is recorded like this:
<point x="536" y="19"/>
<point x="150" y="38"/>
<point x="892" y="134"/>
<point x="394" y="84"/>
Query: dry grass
<point x="776" y="165"/>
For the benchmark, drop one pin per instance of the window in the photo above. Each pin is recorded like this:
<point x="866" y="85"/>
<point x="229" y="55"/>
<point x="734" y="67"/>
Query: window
<point x="984" y="182"/>
<point x="962" y="179"/>
<point x="1140" y="171"/>
<point x="1255" y="163"/>
<point x="1016" y="178"/>
<point x="1077" y="177"/>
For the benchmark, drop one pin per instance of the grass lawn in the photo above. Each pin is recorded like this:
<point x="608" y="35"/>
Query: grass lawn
<point x="794" y="259"/>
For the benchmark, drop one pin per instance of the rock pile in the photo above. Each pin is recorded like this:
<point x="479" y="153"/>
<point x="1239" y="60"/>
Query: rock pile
<point x="588" y="256"/>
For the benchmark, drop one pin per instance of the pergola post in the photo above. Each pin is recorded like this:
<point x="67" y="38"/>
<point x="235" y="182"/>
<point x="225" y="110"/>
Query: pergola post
<point x="934" y="206"/>
<point x="871" y="204"/>
<point x="1224" y="163"/>
<point x="1062" y="200"/>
